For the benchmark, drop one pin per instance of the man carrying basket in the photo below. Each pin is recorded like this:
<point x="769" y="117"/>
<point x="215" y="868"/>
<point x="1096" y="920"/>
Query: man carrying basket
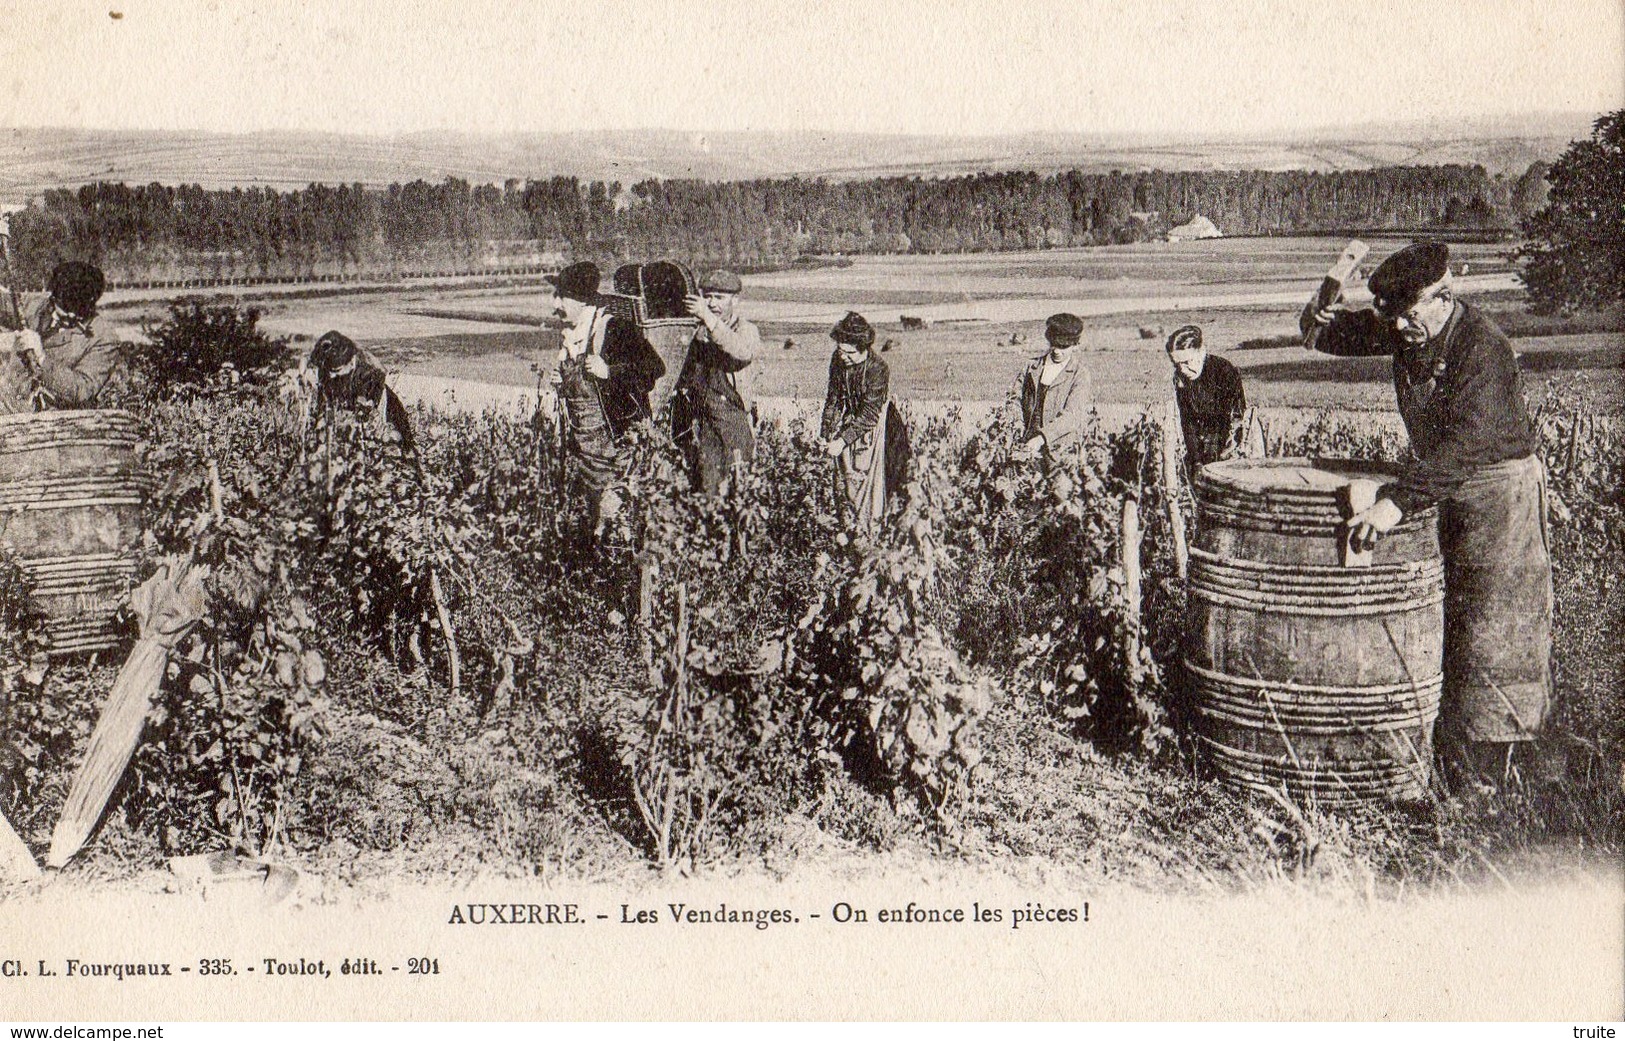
<point x="605" y="373"/>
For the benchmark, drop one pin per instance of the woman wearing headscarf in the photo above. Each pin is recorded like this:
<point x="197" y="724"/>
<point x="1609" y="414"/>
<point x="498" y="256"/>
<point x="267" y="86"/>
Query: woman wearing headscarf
<point x="854" y="406"/>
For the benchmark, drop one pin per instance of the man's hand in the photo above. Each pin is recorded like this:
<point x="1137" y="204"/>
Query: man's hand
<point x="1325" y="315"/>
<point x="696" y="306"/>
<point x="27" y="344"/>
<point x="1367" y="526"/>
<point x="834" y="447"/>
<point x="597" y="366"/>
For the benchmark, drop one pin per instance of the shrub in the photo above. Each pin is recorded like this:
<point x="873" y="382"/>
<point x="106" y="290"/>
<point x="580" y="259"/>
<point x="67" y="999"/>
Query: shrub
<point x="200" y="342"/>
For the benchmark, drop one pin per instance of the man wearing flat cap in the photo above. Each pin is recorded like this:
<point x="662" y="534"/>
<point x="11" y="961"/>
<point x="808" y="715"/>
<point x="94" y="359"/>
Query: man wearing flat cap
<point x="1474" y="450"/>
<point x="854" y="408"/>
<point x="58" y="359"/>
<point x="710" y="413"/>
<point x="605" y="373"/>
<point x="1210" y="398"/>
<point x="1055" y="395"/>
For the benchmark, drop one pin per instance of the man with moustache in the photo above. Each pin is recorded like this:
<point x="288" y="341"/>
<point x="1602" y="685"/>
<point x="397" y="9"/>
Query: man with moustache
<point x="1475" y="455"/>
<point x="606" y="370"/>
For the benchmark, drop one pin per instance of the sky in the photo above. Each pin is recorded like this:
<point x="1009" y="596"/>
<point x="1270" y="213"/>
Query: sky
<point x="893" y="66"/>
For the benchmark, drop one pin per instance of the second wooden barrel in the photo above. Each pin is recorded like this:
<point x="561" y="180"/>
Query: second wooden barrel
<point x="70" y="510"/>
<point x="1304" y="673"/>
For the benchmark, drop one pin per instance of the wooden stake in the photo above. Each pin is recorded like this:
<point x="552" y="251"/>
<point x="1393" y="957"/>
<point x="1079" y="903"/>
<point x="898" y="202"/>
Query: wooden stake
<point x="1173" y="488"/>
<point x="455" y="659"/>
<point x="1131" y="591"/>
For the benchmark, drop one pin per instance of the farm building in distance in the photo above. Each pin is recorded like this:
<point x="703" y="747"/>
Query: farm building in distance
<point x="1198" y="228"/>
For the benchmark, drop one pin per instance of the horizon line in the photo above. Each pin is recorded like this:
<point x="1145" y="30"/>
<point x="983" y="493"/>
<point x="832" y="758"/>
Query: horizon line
<point x="1259" y="135"/>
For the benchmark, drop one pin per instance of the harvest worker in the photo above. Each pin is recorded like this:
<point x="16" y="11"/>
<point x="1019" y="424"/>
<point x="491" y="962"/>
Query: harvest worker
<point x="1055" y="392"/>
<point x="859" y="391"/>
<point x="350" y="378"/>
<point x="57" y="359"/>
<point x="710" y="416"/>
<point x="1211" y="401"/>
<point x="1457" y="381"/>
<point x="606" y="371"/>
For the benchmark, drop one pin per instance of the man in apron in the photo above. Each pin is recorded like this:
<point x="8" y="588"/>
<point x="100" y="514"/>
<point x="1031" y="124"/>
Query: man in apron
<point x="1475" y="455"/>
<point x="605" y="373"/>
<point x="58" y="359"/>
<point x="710" y="414"/>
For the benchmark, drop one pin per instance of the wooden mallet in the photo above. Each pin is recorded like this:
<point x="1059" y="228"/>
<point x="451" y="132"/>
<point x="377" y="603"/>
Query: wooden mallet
<point x="1331" y="287"/>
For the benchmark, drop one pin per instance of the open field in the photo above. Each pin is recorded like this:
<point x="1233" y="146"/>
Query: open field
<point x="1239" y="290"/>
<point x="34" y="159"/>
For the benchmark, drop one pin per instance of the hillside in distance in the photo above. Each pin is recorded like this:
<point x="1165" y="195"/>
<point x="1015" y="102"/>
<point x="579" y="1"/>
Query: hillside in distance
<point x="33" y="159"/>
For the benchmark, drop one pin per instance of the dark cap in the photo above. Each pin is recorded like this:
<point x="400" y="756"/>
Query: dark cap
<point x="720" y="281"/>
<point x="76" y="286"/>
<point x="1063" y="330"/>
<point x="579" y="281"/>
<point x="1185" y="338"/>
<point x="1398" y="282"/>
<point x="854" y="329"/>
<point x="333" y="350"/>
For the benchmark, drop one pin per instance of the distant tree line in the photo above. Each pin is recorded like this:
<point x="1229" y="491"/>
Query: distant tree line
<point x="161" y="231"/>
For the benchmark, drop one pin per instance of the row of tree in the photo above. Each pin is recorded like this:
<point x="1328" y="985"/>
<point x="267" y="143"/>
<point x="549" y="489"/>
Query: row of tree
<point x="163" y="231"/>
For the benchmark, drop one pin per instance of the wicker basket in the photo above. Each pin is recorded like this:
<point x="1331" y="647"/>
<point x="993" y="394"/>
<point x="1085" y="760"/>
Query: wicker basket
<point x="651" y="296"/>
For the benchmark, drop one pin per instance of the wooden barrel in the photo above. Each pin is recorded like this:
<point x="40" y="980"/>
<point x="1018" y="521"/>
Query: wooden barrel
<point x="1305" y="673"/>
<point x="70" y="510"/>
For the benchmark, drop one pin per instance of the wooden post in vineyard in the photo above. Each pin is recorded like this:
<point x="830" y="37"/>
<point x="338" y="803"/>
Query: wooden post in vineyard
<point x="646" y="618"/>
<point x="1131" y="592"/>
<point x="1172" y="488"/>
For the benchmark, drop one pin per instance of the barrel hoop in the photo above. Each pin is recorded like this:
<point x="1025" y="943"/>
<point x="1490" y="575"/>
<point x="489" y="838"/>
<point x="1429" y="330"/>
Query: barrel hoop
<point x="65" y="426"/>
<point x="83" y="645"/>
<point x="1352" y="771"/>
<point x="1405" y="569"/>
<point x="1295" y="691"/>
<point x="1233" y="574"/>
<point x="1247" y="516"/>
<point x="1272" y="707"/>
<point x="1338" y="784"/>
<point x="1270" y="716"/>
<point x="132" y="499"/>
<point x="89" y="563"/>
<point x="97" y="589"/>
<point x="13" y="447"/>
<point x="37" y="486"/>
<point x="1330" y="606"/>
<point x="98" y="622"/>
